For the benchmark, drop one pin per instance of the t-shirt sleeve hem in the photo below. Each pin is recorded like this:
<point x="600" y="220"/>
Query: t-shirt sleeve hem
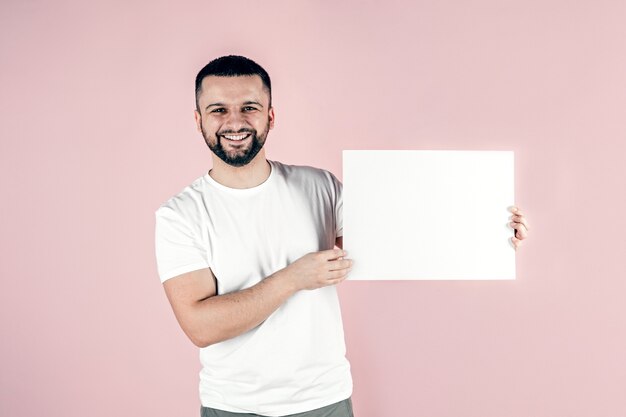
<point x="181" y="270"/>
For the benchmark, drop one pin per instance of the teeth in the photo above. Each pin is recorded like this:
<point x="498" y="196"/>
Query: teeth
<point x="236" y="137"/>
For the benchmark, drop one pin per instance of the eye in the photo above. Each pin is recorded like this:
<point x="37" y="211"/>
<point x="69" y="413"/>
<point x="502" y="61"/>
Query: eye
<point x="249" y="108"/>
<point x="218" y="110"/>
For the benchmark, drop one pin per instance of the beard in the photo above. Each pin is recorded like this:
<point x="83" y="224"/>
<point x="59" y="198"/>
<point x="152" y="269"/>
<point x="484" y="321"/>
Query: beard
<point x="240" y="156"/>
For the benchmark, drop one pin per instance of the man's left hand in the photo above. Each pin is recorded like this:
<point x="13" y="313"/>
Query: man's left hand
<point x="519" y="225"/>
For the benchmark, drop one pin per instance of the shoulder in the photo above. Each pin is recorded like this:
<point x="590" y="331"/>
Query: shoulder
<point x="305" y="174"/>
<point x="186" y="202"/>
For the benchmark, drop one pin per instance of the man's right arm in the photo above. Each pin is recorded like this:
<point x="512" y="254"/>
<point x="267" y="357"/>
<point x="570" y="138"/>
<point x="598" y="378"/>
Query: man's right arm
<point x="207" y="318"/>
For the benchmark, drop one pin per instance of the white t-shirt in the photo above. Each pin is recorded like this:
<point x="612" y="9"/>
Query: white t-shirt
<point x="295" y="360"/>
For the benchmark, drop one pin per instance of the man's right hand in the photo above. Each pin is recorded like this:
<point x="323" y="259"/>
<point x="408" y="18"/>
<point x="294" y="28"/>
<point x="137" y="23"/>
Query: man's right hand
<point x="318" y="269"/>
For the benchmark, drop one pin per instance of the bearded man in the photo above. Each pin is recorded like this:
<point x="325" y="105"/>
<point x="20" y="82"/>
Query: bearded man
<point x="249" y="255"/>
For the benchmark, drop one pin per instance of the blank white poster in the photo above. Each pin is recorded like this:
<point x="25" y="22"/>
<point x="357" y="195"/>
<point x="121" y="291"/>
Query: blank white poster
<point x="428" y="215"/>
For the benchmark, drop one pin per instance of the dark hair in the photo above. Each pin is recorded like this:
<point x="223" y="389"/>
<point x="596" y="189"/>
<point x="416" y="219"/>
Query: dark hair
<point x="232" y="66"/>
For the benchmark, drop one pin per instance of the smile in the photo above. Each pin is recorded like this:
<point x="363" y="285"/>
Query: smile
<point x="236" y="137"/>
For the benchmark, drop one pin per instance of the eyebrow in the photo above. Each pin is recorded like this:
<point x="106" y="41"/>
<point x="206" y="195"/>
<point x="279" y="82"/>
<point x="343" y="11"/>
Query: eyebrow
<point x="222" y="104"/>
<point x="213" y="104"/>
<point x="254" y="102"/>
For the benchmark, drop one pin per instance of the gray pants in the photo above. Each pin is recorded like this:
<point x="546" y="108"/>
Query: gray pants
<point x="340" y="409"/>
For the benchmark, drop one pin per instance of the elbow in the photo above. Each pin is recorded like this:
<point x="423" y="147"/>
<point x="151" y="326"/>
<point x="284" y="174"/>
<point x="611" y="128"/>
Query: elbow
<point x="206" y="332"/>
<point x="204" y="338"/>
<point x="198" y="331"/>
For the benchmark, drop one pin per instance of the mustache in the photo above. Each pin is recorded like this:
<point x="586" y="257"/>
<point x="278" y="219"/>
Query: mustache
<point x="232" y="132"/>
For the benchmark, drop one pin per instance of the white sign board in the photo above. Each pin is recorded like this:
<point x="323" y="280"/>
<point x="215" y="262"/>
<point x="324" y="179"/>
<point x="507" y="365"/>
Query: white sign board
<point x="428" y="215"/>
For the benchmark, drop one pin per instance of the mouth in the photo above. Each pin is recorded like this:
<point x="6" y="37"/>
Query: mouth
<point x="237" y="138"/>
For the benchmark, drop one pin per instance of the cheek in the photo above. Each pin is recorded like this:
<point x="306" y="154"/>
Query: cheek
<point x="261" y="121"/>
<point x="210" y="126"/>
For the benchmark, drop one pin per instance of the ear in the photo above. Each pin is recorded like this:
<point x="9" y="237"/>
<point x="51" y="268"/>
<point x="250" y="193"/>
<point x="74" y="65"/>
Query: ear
<point x="271" y="117"/>
<point x="198" y="118"/>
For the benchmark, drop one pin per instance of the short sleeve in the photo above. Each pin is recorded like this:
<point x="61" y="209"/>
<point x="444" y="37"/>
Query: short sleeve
<point x="178" y="249"/>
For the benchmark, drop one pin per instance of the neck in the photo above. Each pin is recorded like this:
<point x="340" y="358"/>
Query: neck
<point x="247" y="176"/>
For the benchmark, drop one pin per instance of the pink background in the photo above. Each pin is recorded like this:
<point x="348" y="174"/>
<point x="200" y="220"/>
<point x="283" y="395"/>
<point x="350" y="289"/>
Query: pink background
<point x="97" y="130"/>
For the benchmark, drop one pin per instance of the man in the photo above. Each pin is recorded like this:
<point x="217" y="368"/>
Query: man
<point x="246" y="257"/>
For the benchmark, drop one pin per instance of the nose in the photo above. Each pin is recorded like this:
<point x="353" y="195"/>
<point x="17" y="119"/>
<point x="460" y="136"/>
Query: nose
<point x="234" y="121"/>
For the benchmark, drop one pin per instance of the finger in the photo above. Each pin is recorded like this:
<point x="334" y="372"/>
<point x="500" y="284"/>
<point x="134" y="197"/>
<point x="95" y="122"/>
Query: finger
<point x="520" y="230"/>
<point x="515" y="242"/>
<point x="335" y="275"/>
<point x="520" y="219"/>
<point x="516" y="212"/>
<point x="332" y="254"/>
<point x="337" y="280"/>
<point x="340" y="264"/>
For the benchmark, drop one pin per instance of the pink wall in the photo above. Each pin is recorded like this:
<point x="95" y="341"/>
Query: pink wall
<point x="97" y="131"/>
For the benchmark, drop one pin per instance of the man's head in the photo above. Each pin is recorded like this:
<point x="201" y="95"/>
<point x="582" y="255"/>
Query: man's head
<point x="233" y="108"/>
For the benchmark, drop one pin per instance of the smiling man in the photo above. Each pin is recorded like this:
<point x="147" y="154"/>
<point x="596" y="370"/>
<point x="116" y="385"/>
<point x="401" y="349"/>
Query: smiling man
<point x="247" y="257"/>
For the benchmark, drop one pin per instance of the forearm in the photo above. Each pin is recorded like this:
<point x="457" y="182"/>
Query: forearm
<point x="207" y="318"/>
<point x="223" y="317"/>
